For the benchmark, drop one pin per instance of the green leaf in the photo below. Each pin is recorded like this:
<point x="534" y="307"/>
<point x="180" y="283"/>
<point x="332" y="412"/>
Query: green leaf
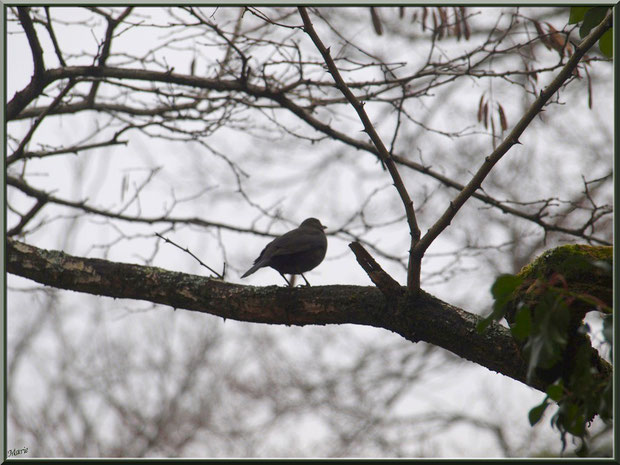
<point x="574" y="422"/>
<point x="577" y="13"/>
<point x="606" y="43"/>
<point x="502" y="290"/>
<point x="536" y="413"/>
<point x="606" y="406"/>
<point x="592" y="18"/>
<point x="542" y="353"/>
<point x="555" y="391"/>
<point x="505" y="285"/>
<point x="554" y="318"/>
<point x="522" y="326"/>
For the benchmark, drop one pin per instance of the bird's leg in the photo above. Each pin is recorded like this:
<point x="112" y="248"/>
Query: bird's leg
<point x="284" y="277"/>
<point x="307" y="283"/>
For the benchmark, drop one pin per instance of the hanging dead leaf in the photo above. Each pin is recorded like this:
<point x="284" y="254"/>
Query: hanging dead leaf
<point x="558" y="41"/>
<point x="542" y="35"/>
<point x="435" y="24"/>
<point x="485" y="112"/>
<point x="124" y="183"/>
<point x="457" y="23"/>
<point x="376" y="21"/>
<point x="502" y="117"/>
<point x="480" y="105"/>
<point x="443" y="16"/>
<point x="466" y="31"/>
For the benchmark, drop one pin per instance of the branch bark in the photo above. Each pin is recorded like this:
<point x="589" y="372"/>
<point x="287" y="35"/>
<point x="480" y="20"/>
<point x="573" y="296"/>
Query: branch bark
<point x="416" y="317"/>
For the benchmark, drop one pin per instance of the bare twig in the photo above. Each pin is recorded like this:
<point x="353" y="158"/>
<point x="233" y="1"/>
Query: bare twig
<point x="281" y="99"/>
<point x="52" y="34"/>
<point x="106" y="47"/>
<point x="83" y="206"/>
<point x="513" y="138"/>
<point x="185" y="249"/>
<point x="26" y="218"/>
<point x="20" y="149"/>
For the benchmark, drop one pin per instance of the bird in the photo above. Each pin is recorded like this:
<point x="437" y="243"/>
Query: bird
<point x="295" y="252"/>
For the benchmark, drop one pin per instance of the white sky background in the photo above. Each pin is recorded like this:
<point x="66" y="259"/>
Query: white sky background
<point x="186" y="169"/>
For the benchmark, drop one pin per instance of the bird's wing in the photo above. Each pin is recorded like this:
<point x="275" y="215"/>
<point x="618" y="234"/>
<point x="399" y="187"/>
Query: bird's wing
<point x="293" y="242"/>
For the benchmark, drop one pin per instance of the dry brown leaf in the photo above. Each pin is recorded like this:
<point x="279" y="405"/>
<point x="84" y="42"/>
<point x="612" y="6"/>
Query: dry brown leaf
<point x="502" y="117"/>
<point x="559" y="41"/>
<point x="541" y="34"/>
<point x="480" y="104"/>
<point x="376" y="21"/>
<point x="443" y="16"/>
<point x="457" y="23"/>
<point x="466" y="30"/>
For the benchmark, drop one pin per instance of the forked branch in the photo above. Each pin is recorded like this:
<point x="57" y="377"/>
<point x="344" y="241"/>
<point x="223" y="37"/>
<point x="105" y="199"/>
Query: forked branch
<point x="413" y="269"/>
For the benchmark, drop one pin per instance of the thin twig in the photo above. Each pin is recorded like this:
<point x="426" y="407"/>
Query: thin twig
<point x="20" y="150"/>
<point x="185" y="249"/>
<point x="513" y="138"/>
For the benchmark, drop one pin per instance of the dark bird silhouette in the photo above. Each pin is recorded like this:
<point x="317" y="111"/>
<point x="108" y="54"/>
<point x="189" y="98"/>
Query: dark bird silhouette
<point x="295" y="252"/>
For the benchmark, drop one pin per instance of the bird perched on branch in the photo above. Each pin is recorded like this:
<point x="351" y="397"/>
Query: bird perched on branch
<point x="295" y="252"/>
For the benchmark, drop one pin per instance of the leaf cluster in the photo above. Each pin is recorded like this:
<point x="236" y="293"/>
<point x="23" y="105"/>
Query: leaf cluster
<point x="545" y="309"/>
<point x="591" y="17"/>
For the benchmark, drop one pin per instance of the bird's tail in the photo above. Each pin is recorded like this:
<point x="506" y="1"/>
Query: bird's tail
<point x="252" y="270"/>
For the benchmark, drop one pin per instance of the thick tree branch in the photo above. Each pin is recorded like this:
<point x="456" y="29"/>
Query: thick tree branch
<point x="513" y="138"/>
<point x="37" y="83"/>
<point x="419" y="317"/>
<point x="33" y="41"/>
